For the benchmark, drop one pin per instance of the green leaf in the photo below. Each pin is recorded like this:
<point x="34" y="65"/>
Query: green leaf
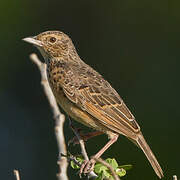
<point x="100" y="176"/>
<point x="98" y="168"/>
<point x="126" y="167"/>
<point x="111" y="178"/>
<point x="120" y="172"/>
<point x="80" y="161"/>
<point x="106" y="174"/>
<point x="102" y="171"/>
<point x="73" y="165"/>
<point x="112" y="162"/>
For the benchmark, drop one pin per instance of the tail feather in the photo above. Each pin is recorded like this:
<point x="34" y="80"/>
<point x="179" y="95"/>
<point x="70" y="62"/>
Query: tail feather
<point x="150" y="156"/>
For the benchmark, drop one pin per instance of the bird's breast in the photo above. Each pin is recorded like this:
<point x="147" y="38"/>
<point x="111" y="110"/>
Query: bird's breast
<point x="56" y="75"/>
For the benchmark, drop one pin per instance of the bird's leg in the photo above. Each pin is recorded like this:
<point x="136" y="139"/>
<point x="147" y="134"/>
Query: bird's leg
<point x="84" y="137"/>
<point x="87" y="167"/>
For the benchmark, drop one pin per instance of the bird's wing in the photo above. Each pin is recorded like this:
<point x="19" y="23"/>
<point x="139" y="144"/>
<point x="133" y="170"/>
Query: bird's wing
<point x="95" y="95"/>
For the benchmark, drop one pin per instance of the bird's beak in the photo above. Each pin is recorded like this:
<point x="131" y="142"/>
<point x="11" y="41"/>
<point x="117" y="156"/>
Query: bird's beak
<point x="33" y="41"/>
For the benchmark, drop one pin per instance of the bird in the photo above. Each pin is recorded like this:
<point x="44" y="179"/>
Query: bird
<point x="86" y="96"/>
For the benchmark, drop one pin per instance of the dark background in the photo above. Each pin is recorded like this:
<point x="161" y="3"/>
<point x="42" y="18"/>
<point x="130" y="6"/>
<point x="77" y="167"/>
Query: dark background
<point x="133" y="44"/>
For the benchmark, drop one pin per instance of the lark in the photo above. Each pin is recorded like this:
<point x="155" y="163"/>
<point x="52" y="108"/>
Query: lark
<point x="86" y="96"/>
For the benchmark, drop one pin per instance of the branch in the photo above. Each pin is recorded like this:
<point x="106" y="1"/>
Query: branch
<point x="16" y="173"/>
<point x="58" y="116"/>
<point x="63" y="164"/>
<point x="81" y="142"/>
<point x="83" y="151"/>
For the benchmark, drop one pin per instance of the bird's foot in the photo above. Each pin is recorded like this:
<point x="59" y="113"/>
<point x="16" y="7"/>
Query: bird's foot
<point x="87" y="167"/>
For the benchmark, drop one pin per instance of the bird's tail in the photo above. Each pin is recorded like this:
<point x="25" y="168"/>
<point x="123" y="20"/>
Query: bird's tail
<point x="149" y="154"/>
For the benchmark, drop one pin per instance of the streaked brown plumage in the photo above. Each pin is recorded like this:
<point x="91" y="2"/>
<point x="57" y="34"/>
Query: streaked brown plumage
<point x="85" y="95"/>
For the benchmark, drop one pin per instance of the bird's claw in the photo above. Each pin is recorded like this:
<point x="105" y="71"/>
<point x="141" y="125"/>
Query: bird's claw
<point x="87" y="166"/>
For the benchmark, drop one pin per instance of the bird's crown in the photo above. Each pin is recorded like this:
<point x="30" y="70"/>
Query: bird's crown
<point x="52" y="43"/>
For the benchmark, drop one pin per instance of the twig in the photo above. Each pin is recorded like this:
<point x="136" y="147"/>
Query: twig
<point x="73" y="158"/>
<point x="16" y="173"/>
<point x="63" y="164"/>
<point x="109" y="167"/>
<point x="81" y="142"/>
<point x="83" y="151"/>
<point x="58" y="116"/>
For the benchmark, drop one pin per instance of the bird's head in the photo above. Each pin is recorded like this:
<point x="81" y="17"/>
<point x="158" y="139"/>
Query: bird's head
<point x="52" y="44"/>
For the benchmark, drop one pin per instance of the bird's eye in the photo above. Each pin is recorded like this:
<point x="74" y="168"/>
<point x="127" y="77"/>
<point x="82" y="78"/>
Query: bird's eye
<point x="52" y="39"/>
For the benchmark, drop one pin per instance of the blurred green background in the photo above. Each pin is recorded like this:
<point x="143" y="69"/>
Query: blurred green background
<point x="133" y="44"/>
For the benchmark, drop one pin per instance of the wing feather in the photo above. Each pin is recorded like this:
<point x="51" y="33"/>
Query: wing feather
<point x="96" y="96"/>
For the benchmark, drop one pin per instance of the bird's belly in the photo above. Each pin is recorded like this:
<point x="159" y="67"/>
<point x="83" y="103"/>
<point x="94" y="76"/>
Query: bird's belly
<point x="77" y="113"/>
